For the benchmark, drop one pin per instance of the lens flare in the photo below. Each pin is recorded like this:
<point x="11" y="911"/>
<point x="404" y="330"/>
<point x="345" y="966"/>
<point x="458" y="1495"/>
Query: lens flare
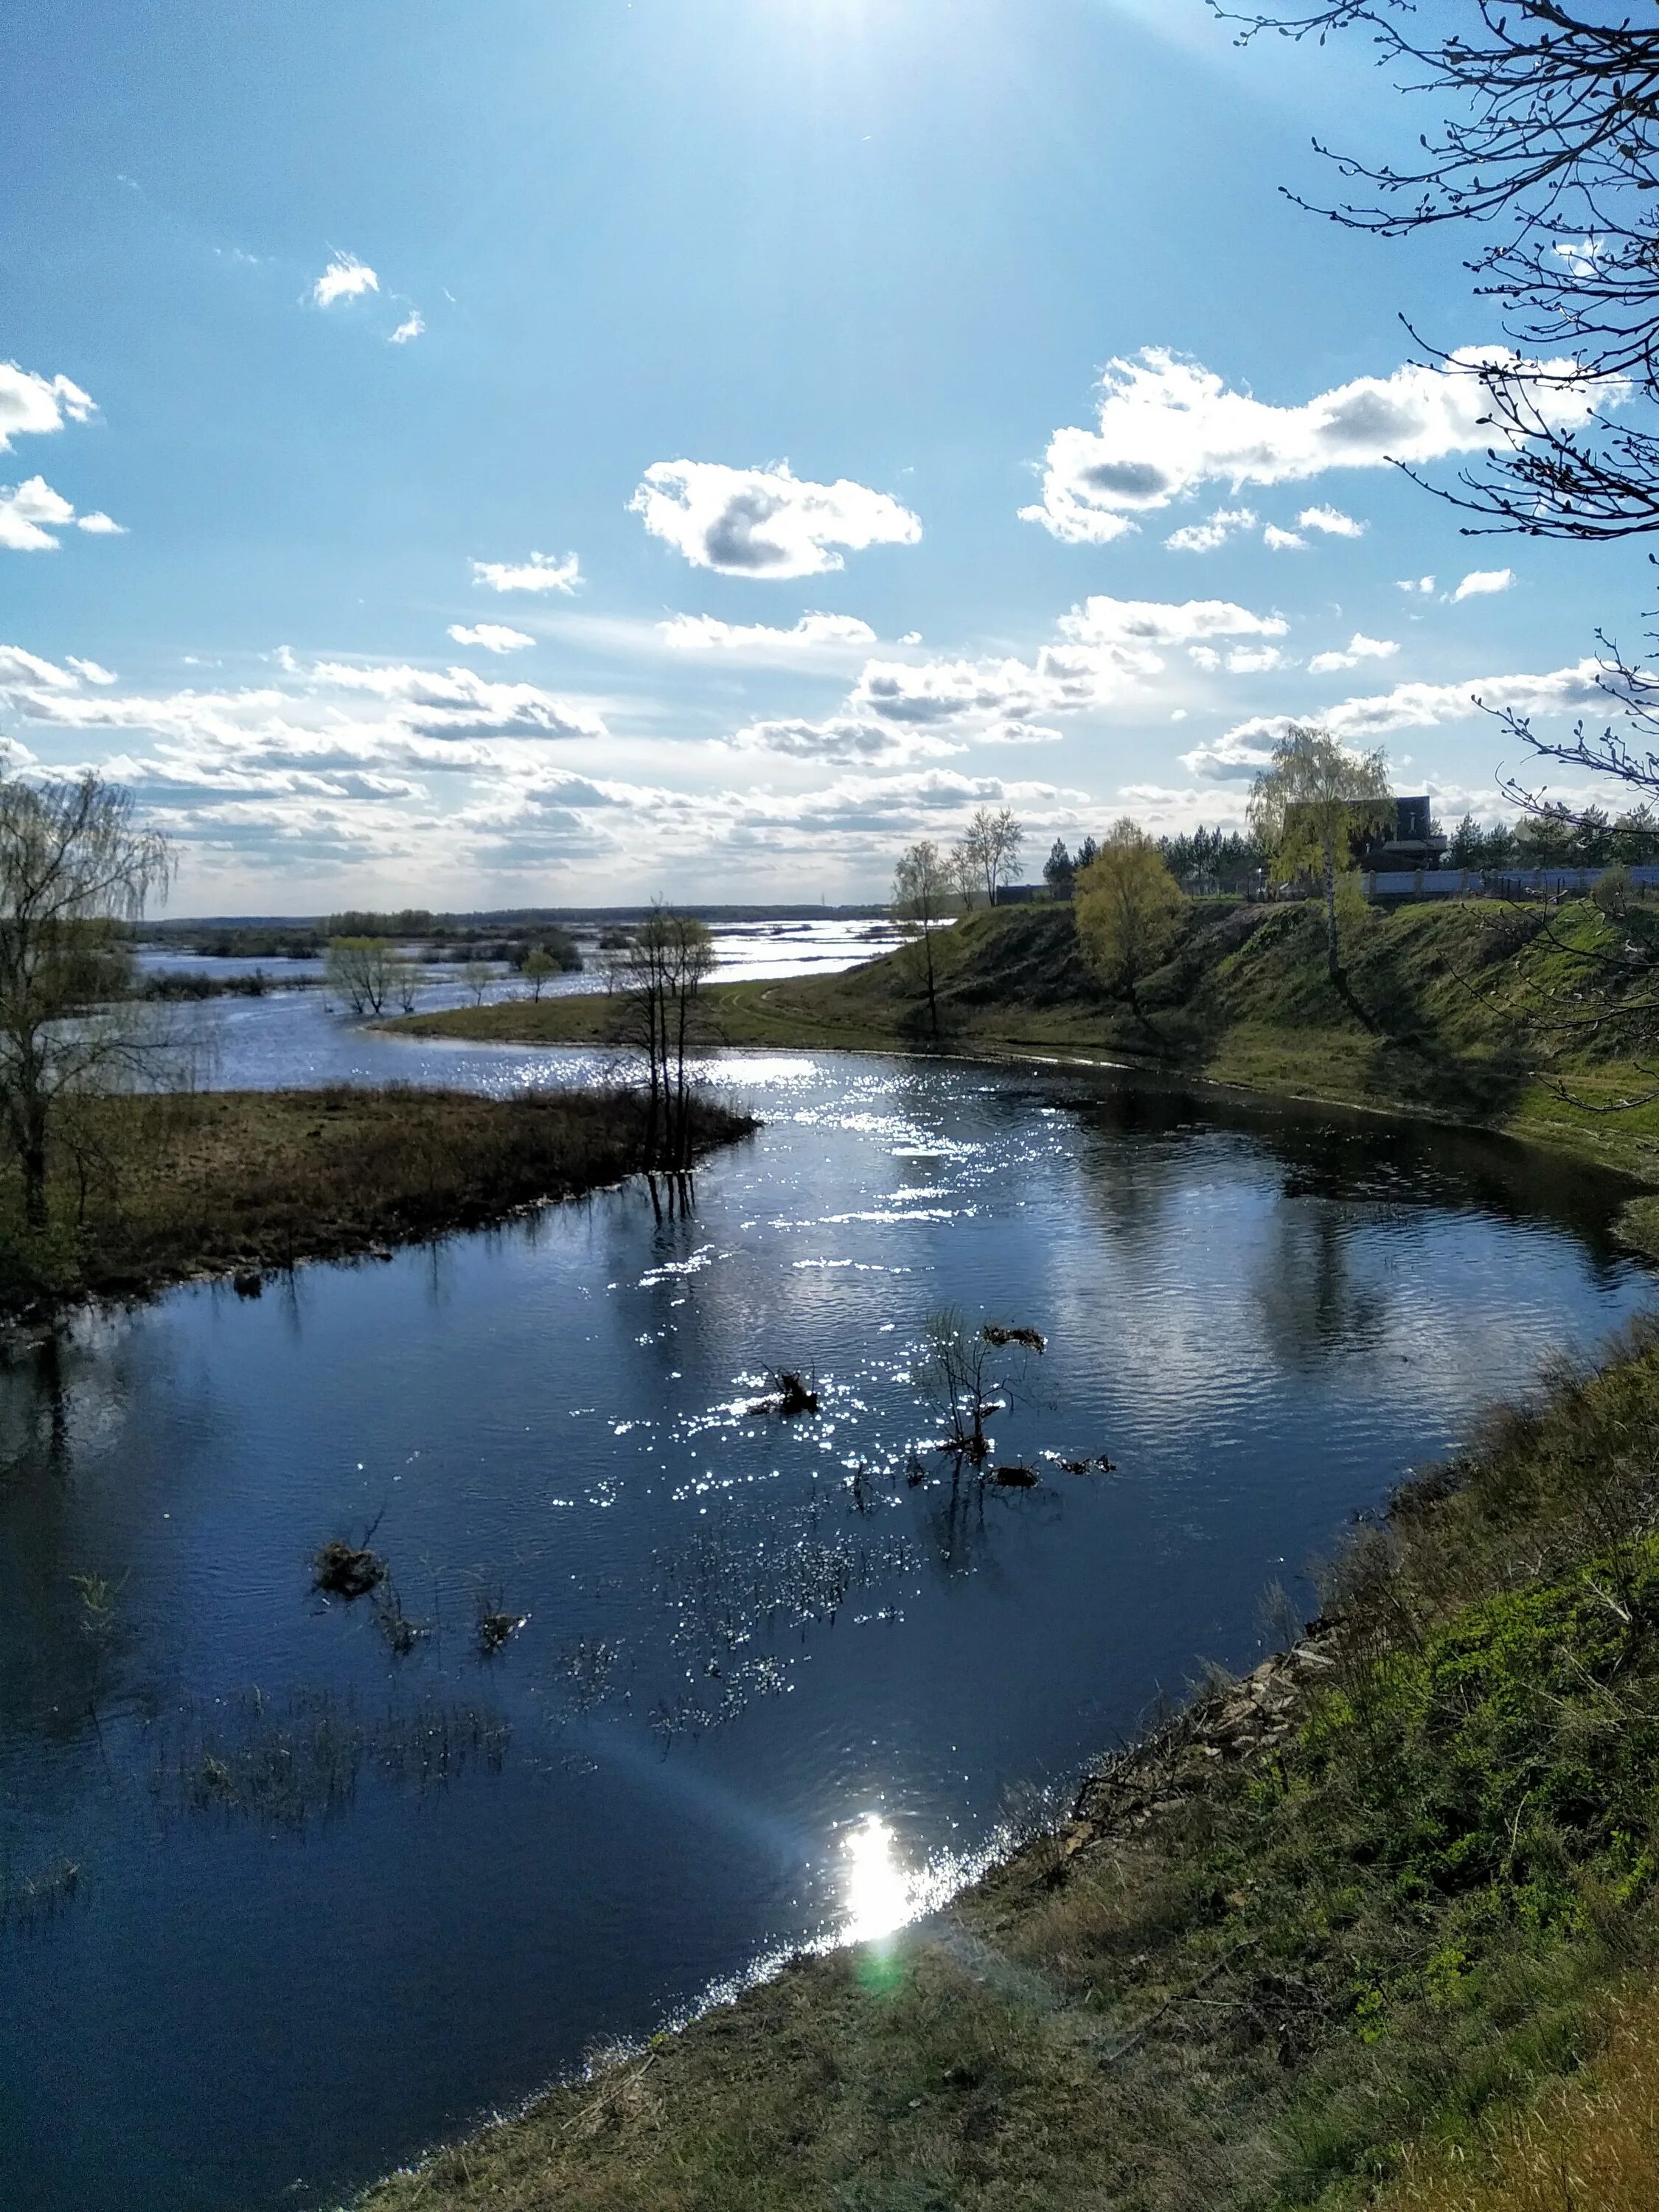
<point x="879" y="1892"/>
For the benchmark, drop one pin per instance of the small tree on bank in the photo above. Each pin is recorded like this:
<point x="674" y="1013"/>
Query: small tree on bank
<point x="988" y="853"/>
<point x="76" y="872"/>
<point x="539" y="965"/>
<point x="1129" y="910"/>
<point x="658" y="975"/>
<point x="1307" y="807"/>
<point x="923" y="883"/>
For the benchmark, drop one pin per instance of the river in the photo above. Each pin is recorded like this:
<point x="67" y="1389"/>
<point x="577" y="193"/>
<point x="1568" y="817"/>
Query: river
<point x="333" y="1899"/>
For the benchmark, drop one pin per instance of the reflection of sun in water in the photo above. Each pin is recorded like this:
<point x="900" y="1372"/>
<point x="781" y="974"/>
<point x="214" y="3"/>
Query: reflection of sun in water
<point x="878" y="1891"/>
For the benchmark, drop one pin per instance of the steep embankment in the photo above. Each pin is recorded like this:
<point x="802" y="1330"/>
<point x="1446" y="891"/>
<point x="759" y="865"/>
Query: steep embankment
<point x="1466" y="1011"/>
<point x="1341" y="1918"/>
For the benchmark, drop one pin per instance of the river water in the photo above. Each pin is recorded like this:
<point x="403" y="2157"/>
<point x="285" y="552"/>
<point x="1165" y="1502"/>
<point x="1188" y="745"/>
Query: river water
<point x="334" y="1898"/>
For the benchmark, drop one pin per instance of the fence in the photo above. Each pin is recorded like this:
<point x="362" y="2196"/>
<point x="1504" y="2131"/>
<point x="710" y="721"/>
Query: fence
<point x="1494" y="883"/>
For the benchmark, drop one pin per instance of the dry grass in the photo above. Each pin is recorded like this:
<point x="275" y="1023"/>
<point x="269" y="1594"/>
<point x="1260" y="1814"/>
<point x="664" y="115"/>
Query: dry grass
<point x="149" y="1190"/>
<point x="1590" y="2145"/>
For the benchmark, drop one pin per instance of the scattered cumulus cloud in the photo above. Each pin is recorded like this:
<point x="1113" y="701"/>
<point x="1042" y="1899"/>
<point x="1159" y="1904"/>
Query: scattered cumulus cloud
<point x="1106" y="648"/>
<point x="32" y="405"/>
<point x="846" y="737"/>
<point x="1331" y="520"/>
<point x="413" y="325"/>
<point x="1204" y="537"/>
<point x="1360" y="648"/>
<point x="765" y="522"/>
<point x="1168" y="426"/>
<point x="1103" y="621"/>
<point x="1361" y="722"/>
<point x="31" y="512"/>
<point x="90" y="671"/>
<point x="1283" y="541"/>
<point x="344" y="278"/>
<point x="330" y="770"/>
<point x="1420" y="588"/>
<point x="1480" y="583"/>
<point x="25" y="670"/>
<point x="493" y="637"/>
<point x="707" y="632"/>
<point x="540" y="573"/>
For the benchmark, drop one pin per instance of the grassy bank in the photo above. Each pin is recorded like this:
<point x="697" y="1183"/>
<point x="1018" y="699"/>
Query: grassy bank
<point x="1443" y="1019"/>
<point x="1318" y="1941"/>
<point x="147" y="1191"/>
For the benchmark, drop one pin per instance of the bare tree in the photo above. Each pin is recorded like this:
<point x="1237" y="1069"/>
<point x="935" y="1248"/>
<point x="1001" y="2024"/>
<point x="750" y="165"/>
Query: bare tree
<point x="922" y="885"/>
<point x="971" y="1373"/>
<point x="361" y="972"/>
<point x="77" y="870"/>
<point x="1550" y="145"/>
<point x="404" y="974"/>
<point x="477" y="977"/>
<point x="1308" y="805"/>
<point x="989" y="850"/>
<point x="658" y="974"/>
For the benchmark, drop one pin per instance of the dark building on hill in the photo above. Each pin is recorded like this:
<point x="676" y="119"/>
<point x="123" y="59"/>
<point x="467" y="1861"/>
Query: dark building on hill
<point x="1413" y="843"/>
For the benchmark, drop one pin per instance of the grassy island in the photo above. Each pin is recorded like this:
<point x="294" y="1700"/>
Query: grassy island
<point x="1449" y="1011"/>
<point x="151" y="1190"/>
<point x="1323" y="1940"/>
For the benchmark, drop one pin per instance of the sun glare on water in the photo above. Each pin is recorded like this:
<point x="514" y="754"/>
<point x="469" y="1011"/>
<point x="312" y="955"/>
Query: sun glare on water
<point x="880" y="1893"/>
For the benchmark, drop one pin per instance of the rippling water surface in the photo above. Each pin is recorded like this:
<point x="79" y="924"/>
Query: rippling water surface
<point x="773" y="1679"/>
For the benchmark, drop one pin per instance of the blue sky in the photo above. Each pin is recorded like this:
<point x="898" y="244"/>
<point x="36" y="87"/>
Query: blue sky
<point x="736" y="377"/>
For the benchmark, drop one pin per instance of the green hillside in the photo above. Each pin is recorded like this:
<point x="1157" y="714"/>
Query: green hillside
<point x="1466" y="1011"/>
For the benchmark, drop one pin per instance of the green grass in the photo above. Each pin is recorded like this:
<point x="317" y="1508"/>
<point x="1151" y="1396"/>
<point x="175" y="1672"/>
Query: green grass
<point x="1252" y="1977"/>
<point x="151" y="1190"/>
<point x="1460" y="1006"/>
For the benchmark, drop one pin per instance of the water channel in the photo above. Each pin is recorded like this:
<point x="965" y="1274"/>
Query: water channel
<point x="334" y="1898"/>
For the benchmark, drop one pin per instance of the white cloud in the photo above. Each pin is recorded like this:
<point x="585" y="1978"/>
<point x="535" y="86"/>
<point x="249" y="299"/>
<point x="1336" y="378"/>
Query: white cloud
<point x="1421" y="587"/>
<point x="1282" y="541"/>
<point x="1360" y="648"/>
<point x="541" y="573"/>
<point x="1204" y="536"/>
<point x="493" y="637"/>
<point x="1332" y="521"/>
<point x="1480" y="583"/>
<point x="1253" y="661"/>
<point x="323" y="774"/>
<point x="1573" y="690"/>
<point x="765" y="522"/>
<point x="1168" y="426"/>
<point x="911" y="637"/>
<point x="413" y="325"/>
<point x="32" y="405"/>
<point x="28" y="514"/>
<point x="435" y="702"/>
<point x="839" y="737"/>
<point x="344" y="278"/>
<point x="27" y="670"/>
<point x="1103" y="621"/>
<point x="91" y="671"/>
<point x="1239" y="753"/>
<point x="30" y="511"/>
<point x="702" y="632"/>
<point x="100" y="525"/>
<point x="1248" y="745"/>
